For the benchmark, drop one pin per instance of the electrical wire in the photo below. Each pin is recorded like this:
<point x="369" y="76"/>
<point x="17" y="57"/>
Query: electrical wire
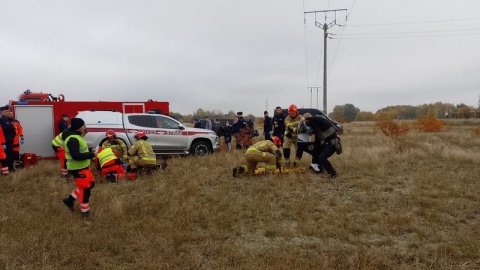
<point x="422" y="36"/>
<point x="306" y="47"/>
<point x="413" y="32"/>
<point x="436" y="21"/>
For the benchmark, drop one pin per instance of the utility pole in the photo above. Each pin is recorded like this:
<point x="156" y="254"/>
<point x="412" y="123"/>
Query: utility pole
<point x="312" y="88"/>
<point x="325" y="26"/>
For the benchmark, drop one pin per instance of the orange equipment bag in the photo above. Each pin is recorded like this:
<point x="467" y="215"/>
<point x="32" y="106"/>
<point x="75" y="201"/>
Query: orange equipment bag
<point x="29" y="159"/>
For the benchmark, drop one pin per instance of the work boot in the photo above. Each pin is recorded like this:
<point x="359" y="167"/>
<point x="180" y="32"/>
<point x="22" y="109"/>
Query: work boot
<point x="234" y="171"/>
<point x="86" y="214"/>
<point x="69" y="203"/>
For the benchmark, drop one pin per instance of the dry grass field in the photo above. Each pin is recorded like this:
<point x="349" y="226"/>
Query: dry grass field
<point x="408" y="204"/>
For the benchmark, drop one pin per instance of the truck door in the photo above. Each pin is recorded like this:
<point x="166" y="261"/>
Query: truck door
<point x="38" y="129"/>
<point x="169" y="135"/>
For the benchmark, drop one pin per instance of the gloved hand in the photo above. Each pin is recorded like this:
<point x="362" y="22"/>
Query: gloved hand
<point x="125" y="166"/>
<point x="290" y="129"/>
<point x="4" y="146"/>
<point x="271" y="133"/>
<point x="22" y="140"/>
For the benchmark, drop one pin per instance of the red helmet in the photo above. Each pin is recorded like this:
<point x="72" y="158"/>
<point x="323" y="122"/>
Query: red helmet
<point x="292" y="109"/>
<point x="110" y="134"/>
<point x="140" y="134"/>
<point x="276" y="140"/>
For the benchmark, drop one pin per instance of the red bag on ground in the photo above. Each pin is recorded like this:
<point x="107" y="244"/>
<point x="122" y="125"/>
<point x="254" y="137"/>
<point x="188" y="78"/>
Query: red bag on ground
<point x="29" y="159"/>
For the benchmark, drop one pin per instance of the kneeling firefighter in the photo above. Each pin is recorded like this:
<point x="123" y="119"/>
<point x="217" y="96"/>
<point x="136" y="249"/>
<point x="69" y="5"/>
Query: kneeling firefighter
<point x="141" y="153"/>
<point x="265" y="151"/>
<point x="110" y="165"/>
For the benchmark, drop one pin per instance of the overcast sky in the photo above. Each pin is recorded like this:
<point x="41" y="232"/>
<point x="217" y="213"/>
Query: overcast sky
<point x="244" y="55"/>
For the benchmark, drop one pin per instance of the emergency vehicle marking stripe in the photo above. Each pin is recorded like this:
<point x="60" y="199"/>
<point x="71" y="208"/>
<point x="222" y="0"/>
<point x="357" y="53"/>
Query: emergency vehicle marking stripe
<point x="149" y="131"/>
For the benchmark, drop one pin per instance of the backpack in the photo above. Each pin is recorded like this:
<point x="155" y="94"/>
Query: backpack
<point x="29" y="159"/>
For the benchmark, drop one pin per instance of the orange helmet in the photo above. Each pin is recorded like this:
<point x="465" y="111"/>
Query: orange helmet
<point x="276" y="140"/>
<point x="292" y="109"/>
<point x="140" y="134"/>
<point x="110" y="134"/>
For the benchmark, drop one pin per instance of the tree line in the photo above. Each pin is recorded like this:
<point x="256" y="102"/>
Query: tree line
<point x="349" y="112"/>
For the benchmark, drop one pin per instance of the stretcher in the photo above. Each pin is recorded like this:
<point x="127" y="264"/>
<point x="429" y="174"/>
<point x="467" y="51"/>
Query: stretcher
<point x="261" y="171"/>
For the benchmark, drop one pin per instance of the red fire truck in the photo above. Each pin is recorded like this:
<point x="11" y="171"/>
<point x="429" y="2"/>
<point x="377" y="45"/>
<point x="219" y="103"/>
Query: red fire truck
<point x="40" y="114"/>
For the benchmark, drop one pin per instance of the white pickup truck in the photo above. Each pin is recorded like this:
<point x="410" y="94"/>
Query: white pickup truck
<point x="165" y="134"/>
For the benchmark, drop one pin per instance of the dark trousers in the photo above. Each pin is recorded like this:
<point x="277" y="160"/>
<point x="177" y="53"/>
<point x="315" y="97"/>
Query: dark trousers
<point x="10" y="158"/>
<point x="308" y="147"/>
<point x="326" y="150"/>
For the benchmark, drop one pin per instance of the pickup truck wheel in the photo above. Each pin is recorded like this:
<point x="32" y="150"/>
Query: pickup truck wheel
<point x="200" y="148"/>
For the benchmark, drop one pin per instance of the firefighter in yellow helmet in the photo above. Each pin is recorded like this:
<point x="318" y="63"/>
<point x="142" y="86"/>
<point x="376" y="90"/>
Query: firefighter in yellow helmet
<point x="291" y="125"/>
<point x="264" y="151"/>
<point x="141" y="153"/>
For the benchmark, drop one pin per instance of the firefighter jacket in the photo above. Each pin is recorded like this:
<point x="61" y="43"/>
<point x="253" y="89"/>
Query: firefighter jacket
<point x="76" y="150"/>
<point x="118" y="147"/>
<point x="18" y="134"/>
<point x="265" y="146"/>
<point x="144" y="151"/>
<point x="291" y="126"/>
<point x="9" y="131"/>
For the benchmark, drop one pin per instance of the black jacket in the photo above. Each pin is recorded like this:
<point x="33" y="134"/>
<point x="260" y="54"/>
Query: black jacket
<point x="267" y="124"/>
<point x="280" y="119"/>
<point x="9" y="131"/>
<point x="73" y="146"/>
<point x="63" y="125"/>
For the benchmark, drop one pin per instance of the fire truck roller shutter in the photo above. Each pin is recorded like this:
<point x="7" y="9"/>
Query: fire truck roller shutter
<point x="38" y="129"/>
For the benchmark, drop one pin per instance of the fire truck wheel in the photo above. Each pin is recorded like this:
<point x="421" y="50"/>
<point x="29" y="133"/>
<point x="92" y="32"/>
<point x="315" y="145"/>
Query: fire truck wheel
<point x="200" y="148"/>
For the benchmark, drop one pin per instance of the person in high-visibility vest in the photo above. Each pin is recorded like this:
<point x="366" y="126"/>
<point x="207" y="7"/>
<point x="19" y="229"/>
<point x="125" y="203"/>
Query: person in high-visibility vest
<point x="264" y="151"/>
<point x="58" y="146"/>
<point x="110" y="164"/>
<point x="141" y="153"/>
<point x="78" y="164"/>
<point x="3" y="155"/>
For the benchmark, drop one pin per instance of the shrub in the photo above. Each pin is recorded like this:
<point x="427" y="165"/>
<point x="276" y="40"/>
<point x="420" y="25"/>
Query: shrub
<point x="476" y="132"/>
<point x="392" y="129"/>
<point x="430" y="123"/>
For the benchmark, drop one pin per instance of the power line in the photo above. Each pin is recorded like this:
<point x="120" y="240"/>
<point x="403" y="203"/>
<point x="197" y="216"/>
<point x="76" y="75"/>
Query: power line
<point x="422" y="36"/>
<point x="413" y="32"/>
<point x="436" y="21"/>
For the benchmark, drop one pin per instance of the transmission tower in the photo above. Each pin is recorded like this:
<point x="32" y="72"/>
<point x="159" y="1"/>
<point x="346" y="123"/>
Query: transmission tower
<point x="325" y="26"/>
